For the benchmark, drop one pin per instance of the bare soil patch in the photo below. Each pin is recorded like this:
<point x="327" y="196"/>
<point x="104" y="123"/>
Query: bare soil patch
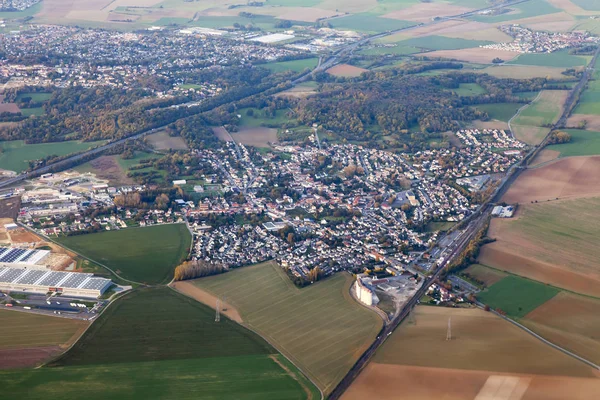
<point x="259" y="137"/>
<point x="346" y="71"/>
<point x="203" y="297"/>
<point x="592" y="121"/>
<point x="23" y="236"/>
<point x="162" y="141"/>
<point x="9" y="108"/>
<point x="566" y="178"/>
<point x="107" y="167"/>
<point x="298" y="92"/>
<point x="9" y="208"/>
<point x="424" y="12"/>
<point x="391" y="382"/>
<point x="25" y="358"/>
<point x="493" y="124"/>
<point x="480" y="341"/>
<point x="545" y="156"/>
<point x="475" y="55"/>
<point x="570" y="321"/>
<point x="221" y="133"/>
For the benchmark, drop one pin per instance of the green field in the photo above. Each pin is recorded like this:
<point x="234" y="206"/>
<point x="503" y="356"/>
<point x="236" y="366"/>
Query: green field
<point x="435" y="42"/>
<point x="155" y="343"/>
<point x="500" y="111"/>
<point x="295" y="65"/>
<point x="469" y="89"/>
<point x="589" y="102"/>
<point x="367" y="22"/>
<point x="528" y="9"/>
<point x="260" y="119"/>
<point x="590" y="5"/>
<point x="517" y="296"/>
<point x="583" y="143"/>
<point x="395" y="50"/>
<point x="16" y="154"/>
<point x="37" y="111"/>
<point x="559" y="59"/>
<point x="35" y="330"/>
<point x="35" y="97"/>
<point x="147" y="255"/>
<point x="21" y="14"/>
<point x="320" y="327"/>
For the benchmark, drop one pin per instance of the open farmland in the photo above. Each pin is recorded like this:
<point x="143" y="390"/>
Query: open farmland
<point x="16" y="154"/>
<point x="480" y="341"/>
<point x="559" y="59"/>
<point x="28" y="339"/>
<point x="583" y="143"/>
<point x="156" y="343"/>
<point x="346" y="71"/>
<point x="294" y="66"/>
<point x="424" y="12"/>
<point x="500" y="111"/>
<point x="516" y="296"/>
<point x="521" y="11"/>
<point x="162" y="141"/>
<point x="320" y="327"/>
<point x="477" y="55"/>
<point x="530" y="125"/>
<point x="484" y="274"/>
<point x="550" y="243"/>
<point x="571" y="321"/>
<point x="435" y="42"/>
<point x="147" y="255"/>
<point x="369" y="23"/>
<point x="522" y="72"/>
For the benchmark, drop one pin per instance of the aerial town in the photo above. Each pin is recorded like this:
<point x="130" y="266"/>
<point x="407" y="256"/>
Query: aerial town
<point x="16" y="5"/>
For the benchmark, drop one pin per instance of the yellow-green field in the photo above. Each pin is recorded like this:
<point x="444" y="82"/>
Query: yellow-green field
<point x="320" y="327"/>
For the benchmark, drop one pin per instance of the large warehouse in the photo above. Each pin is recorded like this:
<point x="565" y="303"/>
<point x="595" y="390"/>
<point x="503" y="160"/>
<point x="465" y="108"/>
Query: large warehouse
<point x="36" y="280"/>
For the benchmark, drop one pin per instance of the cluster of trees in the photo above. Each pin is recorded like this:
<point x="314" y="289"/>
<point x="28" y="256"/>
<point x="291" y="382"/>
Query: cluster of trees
<point x="558" y="137"/>
<point x="197" y="269"/>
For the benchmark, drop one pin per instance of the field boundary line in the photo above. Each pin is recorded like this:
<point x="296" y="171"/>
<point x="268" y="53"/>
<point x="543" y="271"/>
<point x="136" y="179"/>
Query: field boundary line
<point x="266" y="340"/>
<point x="542" y="339"/>
<point x="58" y="356"/>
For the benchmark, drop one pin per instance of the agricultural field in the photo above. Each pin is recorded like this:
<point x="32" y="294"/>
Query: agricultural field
<point x="516" y="296"/>
<point x="583" y="143"/>
<point x="589" y="5"/>
<point x="301" y="90"/>
<point x="522" y="72"/>
<point x="133" y="252"/>
<point x="142" y="343"/>
<point x="435" y="42"/>
<point x="530" y="125"/>
<point x="528" y="9"/>
<point x="15" y="155"/>
<point x="294" y="66"/>
<point x="589" y="103"/>
<point x="571" y="321"/>
<point x="320" y="327"/>
<point x="31" y="338"/>
<point x="480" y="341"/>
<point x="550" y="243"/>
<point x="369" y="23"/>
<point x="500" y="111"/>
<point x="114" y="168"/>
<point x="469" y="89"/>
<point x="558" y="59"/>
<point x="488" y="276"/>
<point x="346" y="71"/>
<point x="477" y="55"/>
<point x="162" y="141"/>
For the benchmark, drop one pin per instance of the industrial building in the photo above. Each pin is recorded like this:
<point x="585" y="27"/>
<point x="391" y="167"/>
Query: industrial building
<point x="40" y="280"/>
<point x="365" y="291"/>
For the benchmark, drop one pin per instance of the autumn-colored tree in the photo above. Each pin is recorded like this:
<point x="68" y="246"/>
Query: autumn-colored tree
<point x="196" y="269"/>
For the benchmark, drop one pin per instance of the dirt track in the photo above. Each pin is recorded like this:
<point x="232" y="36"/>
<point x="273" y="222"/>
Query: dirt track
<point x="203" y="297"/>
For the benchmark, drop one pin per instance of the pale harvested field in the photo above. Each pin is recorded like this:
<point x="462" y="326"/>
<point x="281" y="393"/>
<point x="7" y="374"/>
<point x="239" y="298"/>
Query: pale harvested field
<point x="571" y="321"/>
<point x="475" y="55"/>
<point x="9" y="107"/>
<point x="480" y="341"/>
<point x="523" y="71"/>
<point x="593" y="121"/>
<point x="121" y="17"/>
<point x="566" y="178"/>
<point x="190" y="290"/>
<point x="552" y="242"/>
<point x="298" y="92"/>
<point x="346" y="71"/>
<point x="60" y="8"/>
<point x="306" y="14"/>
<point x="545" y="156"/>
<point x="221" y="133"/>
<point x="162" y="141"/>
<point x="557" y="22"/>
<point x="455" y="28"/>
<point x="259" y="137"/>
<point x="493" y="124"/>
<point x="530" y="134"/>
<point x="350" y="6"/>
<point x="393" y="382"/>
<point x="424" y="12"/>
<point x="88" y="15"/>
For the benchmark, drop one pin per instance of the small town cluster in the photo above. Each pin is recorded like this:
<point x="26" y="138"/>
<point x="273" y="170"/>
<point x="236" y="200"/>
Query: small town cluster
<point x="530" y="41"/>
<point x="17" y="5"/>
<point x="333" y="206"/>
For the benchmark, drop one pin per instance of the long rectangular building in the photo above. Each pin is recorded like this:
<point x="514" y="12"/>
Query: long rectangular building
<point x="44" y="281"/>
